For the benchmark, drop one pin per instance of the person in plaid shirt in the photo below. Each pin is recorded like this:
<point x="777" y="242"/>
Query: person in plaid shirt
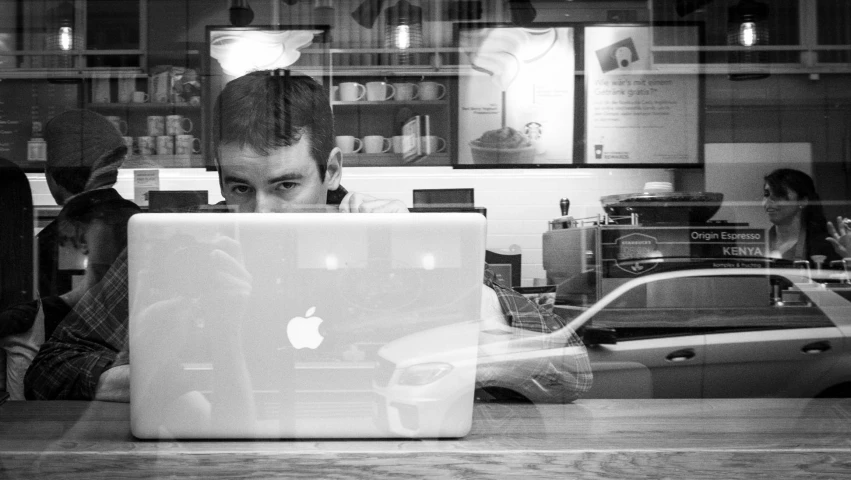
<point x="267" y="162"/>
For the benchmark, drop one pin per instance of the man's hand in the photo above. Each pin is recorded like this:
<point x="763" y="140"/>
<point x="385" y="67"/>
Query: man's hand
<point x="360" y="203"/>
<point x="114" y="385"/>
<point x="840" y="236"/>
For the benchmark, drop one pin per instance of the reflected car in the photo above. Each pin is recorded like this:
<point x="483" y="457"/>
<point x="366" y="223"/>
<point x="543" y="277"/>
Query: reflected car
<point x="722" y="333"/>
<point x="706" y="333"/>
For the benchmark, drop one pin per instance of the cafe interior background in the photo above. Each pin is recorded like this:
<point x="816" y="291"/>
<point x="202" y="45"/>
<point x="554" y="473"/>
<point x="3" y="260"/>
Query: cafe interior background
<point x="707" y="95"/>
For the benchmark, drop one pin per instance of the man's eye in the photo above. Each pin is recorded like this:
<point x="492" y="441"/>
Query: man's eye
<point x="240" y="189"/>
<point x="286" y="185"/>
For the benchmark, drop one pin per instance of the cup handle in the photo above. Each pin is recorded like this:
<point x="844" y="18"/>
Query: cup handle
<point x="388" y="144"/>
<point x="358" y="145"/>
<point x="442" y="88"/>
<point x="392" y="92"/>
<point x="362" y="90"/>
<point x="189" y="129"/>
<point x="441" y="144"/>
<point x="146" y="97"/>
<point x="194" y="148"/>
<point x="416" y="91"/>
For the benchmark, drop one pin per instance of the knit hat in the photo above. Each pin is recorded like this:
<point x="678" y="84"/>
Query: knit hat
<point x="84" y="151"/>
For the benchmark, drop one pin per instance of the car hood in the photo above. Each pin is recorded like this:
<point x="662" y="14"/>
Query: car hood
<point x="450" y="344"/>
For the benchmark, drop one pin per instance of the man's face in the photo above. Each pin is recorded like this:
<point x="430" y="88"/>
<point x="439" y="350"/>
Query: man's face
<point x="287" y="177"/>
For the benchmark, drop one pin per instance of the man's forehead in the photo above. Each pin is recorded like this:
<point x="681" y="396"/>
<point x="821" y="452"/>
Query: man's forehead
<point x="296" y="158"/>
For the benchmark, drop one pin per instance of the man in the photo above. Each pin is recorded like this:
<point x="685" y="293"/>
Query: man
<point x="274" y="147"/>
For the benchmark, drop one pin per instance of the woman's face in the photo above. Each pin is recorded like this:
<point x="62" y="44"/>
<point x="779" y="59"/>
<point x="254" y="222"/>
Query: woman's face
<point x="782" y="210"/>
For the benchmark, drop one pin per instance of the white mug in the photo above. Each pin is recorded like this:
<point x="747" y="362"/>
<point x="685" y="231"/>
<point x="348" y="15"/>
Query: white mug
<point x="118" y="123"/>
<point x="126" y="89"/>
<point x="187" y="144"/>
<point x="377" y="91"/>
<point x="156" y="125"/>
<point x="165" y="145"/>
<point x="100" y="90"/>
<point x="37" y="149"/>
<point x="406" y="91"/>
<point x="351" y="91"/>
<point x="177" y="125"/>
<point x="128" y="142"/>
<point x="146" y="145"/>
<point x="398" y="143"/>
<point x="140" y="97"/>
<point x="431" y="90"/>
<point x="349" y="144"/>
<point x="376" y="144"/>
<point x="431" y="144"/>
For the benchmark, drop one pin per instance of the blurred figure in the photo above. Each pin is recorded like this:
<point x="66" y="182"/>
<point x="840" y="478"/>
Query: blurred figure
<point x="16" y="276"/>
<point x="84" y="152"/>
<point x="794" y="208"/>
<point x="16" y="230"/>
<point x="93" y="222"/>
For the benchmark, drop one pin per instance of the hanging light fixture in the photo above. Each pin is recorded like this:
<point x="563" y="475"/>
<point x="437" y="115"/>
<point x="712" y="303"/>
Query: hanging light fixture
<point x="522" y="12"/>
<point x="404" y="29"/>
<point x="746" y="28"/>
<point x="61" y="36"/>
<point x="367" y="12"/>
<point x="65" y="34"/>
<point x="241" y="14"/>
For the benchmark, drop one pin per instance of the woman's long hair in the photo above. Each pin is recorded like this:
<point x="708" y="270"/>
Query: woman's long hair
<point x="16" y="235"/>
<point x="812" y="217"/>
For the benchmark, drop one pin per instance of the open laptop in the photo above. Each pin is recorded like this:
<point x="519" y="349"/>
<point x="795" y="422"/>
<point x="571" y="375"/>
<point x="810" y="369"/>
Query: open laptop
<point x="304" y="325"/>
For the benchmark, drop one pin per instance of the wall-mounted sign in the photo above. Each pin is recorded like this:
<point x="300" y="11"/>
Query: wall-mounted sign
<point x="634" y="113"/>
<point x="516" y="101"/>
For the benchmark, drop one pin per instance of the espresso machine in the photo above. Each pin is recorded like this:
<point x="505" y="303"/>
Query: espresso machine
<point x="641" y="234"/>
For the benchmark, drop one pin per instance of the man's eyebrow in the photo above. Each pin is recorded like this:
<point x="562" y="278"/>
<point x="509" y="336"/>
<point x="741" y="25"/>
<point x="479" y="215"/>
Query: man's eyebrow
<point x="233" y="179"/>
<point x="286" y="177"/>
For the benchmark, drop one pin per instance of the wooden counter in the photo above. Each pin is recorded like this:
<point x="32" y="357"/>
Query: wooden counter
<point x="678" y="439"/>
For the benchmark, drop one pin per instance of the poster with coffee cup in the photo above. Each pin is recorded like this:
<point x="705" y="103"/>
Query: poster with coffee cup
<point x="516" y="106"/>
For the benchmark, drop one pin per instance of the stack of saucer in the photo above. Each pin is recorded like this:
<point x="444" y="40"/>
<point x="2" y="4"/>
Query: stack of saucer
<point x="658" y="187"/>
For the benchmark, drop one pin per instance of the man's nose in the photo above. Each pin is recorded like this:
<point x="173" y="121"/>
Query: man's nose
<point x="264" y="203"/>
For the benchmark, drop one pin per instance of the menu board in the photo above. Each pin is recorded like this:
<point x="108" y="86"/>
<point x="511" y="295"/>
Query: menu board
<point x="636" y="114"/>
<point x="29" y="104"/>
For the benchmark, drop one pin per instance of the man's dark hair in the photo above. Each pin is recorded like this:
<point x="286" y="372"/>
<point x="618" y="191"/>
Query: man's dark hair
<point x="269" y="109"/>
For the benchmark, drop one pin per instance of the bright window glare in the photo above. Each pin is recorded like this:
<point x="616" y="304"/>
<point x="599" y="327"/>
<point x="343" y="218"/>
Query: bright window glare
<point x="66" y="38"/>
<point x="747" y="34"/>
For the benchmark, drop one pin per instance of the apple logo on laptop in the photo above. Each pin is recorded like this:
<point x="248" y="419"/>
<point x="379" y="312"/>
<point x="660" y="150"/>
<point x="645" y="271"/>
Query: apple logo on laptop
<point x="303" y="332"/>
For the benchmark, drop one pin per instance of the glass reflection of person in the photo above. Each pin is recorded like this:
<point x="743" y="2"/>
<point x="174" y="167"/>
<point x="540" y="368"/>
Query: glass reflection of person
<point x="799" y="228"/>
<point x="275" y="150"/>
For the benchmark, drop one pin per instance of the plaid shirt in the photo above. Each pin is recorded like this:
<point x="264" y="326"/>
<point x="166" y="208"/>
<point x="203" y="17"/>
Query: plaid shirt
<point x="86" y="343"/>
<point x="573" y="372"/>
<point x="89" y="340"/>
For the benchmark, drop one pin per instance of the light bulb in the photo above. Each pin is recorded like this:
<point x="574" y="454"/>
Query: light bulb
<point x="66" y="38"/>
<point x="402" y="37"/>
<point x="747" y="34"/>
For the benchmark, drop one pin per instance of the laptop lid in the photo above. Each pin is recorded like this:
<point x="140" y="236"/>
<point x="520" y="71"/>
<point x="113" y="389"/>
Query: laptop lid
<point x="304" y="325"/>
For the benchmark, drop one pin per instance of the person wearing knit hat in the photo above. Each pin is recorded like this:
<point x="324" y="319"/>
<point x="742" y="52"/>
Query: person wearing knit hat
<point x="84" y="152"/>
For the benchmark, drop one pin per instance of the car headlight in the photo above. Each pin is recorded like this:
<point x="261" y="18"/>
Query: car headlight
<point x="424" y="373"/>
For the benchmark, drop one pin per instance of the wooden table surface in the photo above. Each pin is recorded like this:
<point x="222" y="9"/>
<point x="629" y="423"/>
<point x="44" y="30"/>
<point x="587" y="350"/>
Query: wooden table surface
<point x="676" y="439"/>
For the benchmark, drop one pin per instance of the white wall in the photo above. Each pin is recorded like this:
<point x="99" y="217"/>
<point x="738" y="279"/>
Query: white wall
<point x="519" y="202"/>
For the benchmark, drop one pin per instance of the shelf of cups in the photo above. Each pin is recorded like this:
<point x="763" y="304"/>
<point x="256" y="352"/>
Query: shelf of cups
<point x="163" y="161"/>
<point x="389" y="103"/>
<point x="393" y="159"/>
<point x="143" y="106"/>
